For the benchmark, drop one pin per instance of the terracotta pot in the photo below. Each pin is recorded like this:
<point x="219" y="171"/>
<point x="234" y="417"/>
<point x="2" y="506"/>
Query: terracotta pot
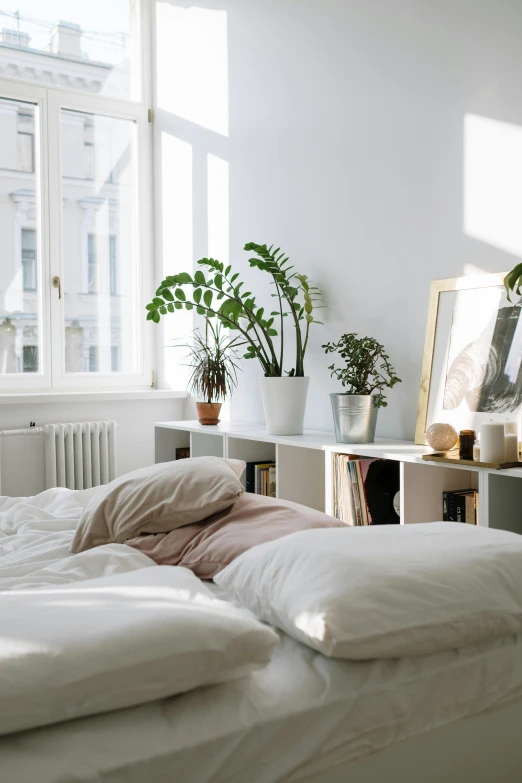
<point x="208" y="412"/>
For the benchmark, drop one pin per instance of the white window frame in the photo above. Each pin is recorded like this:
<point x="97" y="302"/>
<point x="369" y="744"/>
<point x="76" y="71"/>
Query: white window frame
<point x="50" y="101"/>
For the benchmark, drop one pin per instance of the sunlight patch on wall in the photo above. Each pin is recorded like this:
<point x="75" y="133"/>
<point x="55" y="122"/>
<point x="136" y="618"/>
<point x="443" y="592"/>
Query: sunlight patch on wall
<point x="192" y="64"/>
<point x="218" y="208"/>
<point x="493" y="182"/>
<point x="176" y="206"/>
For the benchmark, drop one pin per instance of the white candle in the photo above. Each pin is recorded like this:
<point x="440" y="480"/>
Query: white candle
<point x="511" y="428"/>
<point x="511" y="447"/>
<point x="492" y="443"/>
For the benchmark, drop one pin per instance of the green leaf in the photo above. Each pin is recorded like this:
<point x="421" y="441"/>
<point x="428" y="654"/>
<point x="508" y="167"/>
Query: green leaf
<point x="163" y="310"/>
<point x="207" y="298"/>
<point x="197" y="295"/>
<point x="184" y="277"/>
<point x="157" y="301"/>
<point x="150" y="315"/>
<point x="199" y="278"/>
<point x="156" y="317"/>
<point x="188" y="305"/>
<point x="218" y="281"/>
<point x="272" y="332"/>
<point x="308" y="307"/>
<point x="150" y="306"/>
<point x="234" y="277"/>
<point x="259" y="313"/>
<point x="200" y="310"/>
<point x="180" y="294"/>
<point x="170" y="307"/>
<point x="167" y="294"/>
<point x="178" y="305"/>
<point x="227" y="270"/>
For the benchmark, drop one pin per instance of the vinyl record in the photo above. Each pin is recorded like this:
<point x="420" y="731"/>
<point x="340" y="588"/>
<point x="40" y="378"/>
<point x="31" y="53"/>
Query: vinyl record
<point x="382" y="488"/>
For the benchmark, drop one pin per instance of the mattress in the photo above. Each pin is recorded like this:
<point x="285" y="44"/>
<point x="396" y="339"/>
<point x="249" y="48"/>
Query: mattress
<point x="302" y="715"/>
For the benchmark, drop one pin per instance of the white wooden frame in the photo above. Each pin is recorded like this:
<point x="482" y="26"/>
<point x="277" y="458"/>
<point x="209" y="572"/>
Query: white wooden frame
<point x="51" y="325"/>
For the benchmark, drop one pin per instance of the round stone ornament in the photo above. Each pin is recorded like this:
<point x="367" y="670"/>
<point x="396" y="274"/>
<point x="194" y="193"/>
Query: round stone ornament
<point x="441" y="437"/>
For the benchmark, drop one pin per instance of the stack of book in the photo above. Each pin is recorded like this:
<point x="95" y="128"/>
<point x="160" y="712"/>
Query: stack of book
<point x="460" y="505"/>
<point x="261" y="478"/>
<point x="366" y="491"/>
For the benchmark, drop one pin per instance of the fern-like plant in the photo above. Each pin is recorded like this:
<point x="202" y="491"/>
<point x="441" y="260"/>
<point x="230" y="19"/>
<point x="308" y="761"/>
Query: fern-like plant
<point x="221" y="294"/>
<point x="212" y="358"/>
<point x="368" y="369"/>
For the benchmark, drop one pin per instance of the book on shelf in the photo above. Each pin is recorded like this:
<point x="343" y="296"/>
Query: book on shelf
<point x="460" y="505"/>
<point x="261" y="478"/>
<point x="365" y="491"/>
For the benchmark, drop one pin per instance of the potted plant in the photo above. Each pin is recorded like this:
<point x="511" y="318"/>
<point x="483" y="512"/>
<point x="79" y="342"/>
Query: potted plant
<point x="222" y="295"/>
<point x="367" y="372"/>
<point x="212" y="358"/>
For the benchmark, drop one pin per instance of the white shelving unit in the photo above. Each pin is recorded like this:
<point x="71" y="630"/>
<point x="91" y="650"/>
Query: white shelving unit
<point x="304" y="469"/>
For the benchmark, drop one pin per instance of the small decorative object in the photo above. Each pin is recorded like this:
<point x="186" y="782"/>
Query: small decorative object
<point x="511" y="447"/>
<point x="367" y="372"/>
<point x="441" y="437"/>
<point x="182" y="453"/>
<point x="492" y="442"/>
<point x="466" y="443"/>
<point x="214" y="370"/>
<point x="472" y="366"/>
<point x="476" y="450"/>
<point x="221" y="295"/>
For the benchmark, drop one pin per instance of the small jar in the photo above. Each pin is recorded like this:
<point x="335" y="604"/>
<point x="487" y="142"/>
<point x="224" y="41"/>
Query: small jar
<point x="466" y="443"/>
<point x="476" y="451"/>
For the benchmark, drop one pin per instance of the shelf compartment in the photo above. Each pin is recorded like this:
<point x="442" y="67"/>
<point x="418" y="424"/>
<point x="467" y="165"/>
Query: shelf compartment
<point x="505" y="502"/>
<point x="422" y="486"/>
<point x="301" y="475"/>
<point x="167" y="441"/>
<point x="206" y="445"/>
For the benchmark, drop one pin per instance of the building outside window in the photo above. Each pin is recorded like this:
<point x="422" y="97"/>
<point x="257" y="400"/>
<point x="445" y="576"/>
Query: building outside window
<point x="92" y="269"/>
<point x="25" y="140"/>
<point x="112" y="265"/>
<point x="29" y="259"/>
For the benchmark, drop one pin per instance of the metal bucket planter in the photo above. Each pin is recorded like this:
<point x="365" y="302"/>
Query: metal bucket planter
<point x="355" y="417"/>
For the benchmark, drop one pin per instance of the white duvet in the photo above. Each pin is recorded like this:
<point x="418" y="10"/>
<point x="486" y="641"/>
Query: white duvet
<point x="35" y="538"/>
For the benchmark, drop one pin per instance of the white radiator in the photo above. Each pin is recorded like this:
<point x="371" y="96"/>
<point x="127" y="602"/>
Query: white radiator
<point x="79" y="455"/>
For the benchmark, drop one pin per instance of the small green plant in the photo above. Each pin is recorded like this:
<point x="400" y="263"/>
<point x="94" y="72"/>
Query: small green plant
<point x="220" y="294"/>
<point x="368" y="369"/>
<point x="212" y="358"/>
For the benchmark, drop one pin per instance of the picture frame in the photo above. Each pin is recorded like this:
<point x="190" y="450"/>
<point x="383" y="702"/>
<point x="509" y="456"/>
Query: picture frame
<point x="472" y="363"/>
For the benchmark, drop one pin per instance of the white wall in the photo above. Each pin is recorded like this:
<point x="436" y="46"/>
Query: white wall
<point x="22" y="460"/>
<point x="346" y="147"/>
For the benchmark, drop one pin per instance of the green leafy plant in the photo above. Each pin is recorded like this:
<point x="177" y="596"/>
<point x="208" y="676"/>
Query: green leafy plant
<point x="221" y="294"/>
<point x="368" y="369"/>
<point x="212" y="358"/>
<point x="513" y="281"/>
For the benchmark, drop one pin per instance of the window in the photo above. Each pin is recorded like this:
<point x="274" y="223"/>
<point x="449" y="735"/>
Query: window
<point x="25" y="140"/>
<point x="74" y="197"/>
<point x="29" y="259"/>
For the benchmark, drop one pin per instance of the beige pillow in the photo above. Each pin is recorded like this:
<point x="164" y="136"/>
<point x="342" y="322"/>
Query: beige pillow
<point x="158" y="499"/>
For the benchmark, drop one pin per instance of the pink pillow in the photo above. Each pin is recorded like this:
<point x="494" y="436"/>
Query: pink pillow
<point x="209" y="546"/>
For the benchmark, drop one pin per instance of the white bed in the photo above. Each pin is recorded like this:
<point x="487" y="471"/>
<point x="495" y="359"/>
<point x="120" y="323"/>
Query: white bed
<point x="453" y="716"/>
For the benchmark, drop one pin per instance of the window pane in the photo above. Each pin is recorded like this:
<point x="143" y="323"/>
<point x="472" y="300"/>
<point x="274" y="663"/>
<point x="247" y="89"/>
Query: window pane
<point x="19" y="188"/>
<point x="100" y="244"/>
<point x="90" y="46"/>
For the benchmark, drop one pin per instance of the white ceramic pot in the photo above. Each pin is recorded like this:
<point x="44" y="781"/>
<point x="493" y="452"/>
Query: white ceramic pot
<point x="284" y="401"/>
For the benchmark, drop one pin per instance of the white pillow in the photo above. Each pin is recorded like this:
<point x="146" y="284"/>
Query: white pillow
<point x="384" y="592"/>
<point x="113" y="642"/>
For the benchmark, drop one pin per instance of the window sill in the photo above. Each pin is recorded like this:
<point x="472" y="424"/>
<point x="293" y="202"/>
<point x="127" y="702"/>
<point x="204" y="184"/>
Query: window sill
<point x="122" y="395"/>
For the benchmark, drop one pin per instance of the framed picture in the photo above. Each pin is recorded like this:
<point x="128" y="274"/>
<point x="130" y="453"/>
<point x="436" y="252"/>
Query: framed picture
<point x="471" y="370"/>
